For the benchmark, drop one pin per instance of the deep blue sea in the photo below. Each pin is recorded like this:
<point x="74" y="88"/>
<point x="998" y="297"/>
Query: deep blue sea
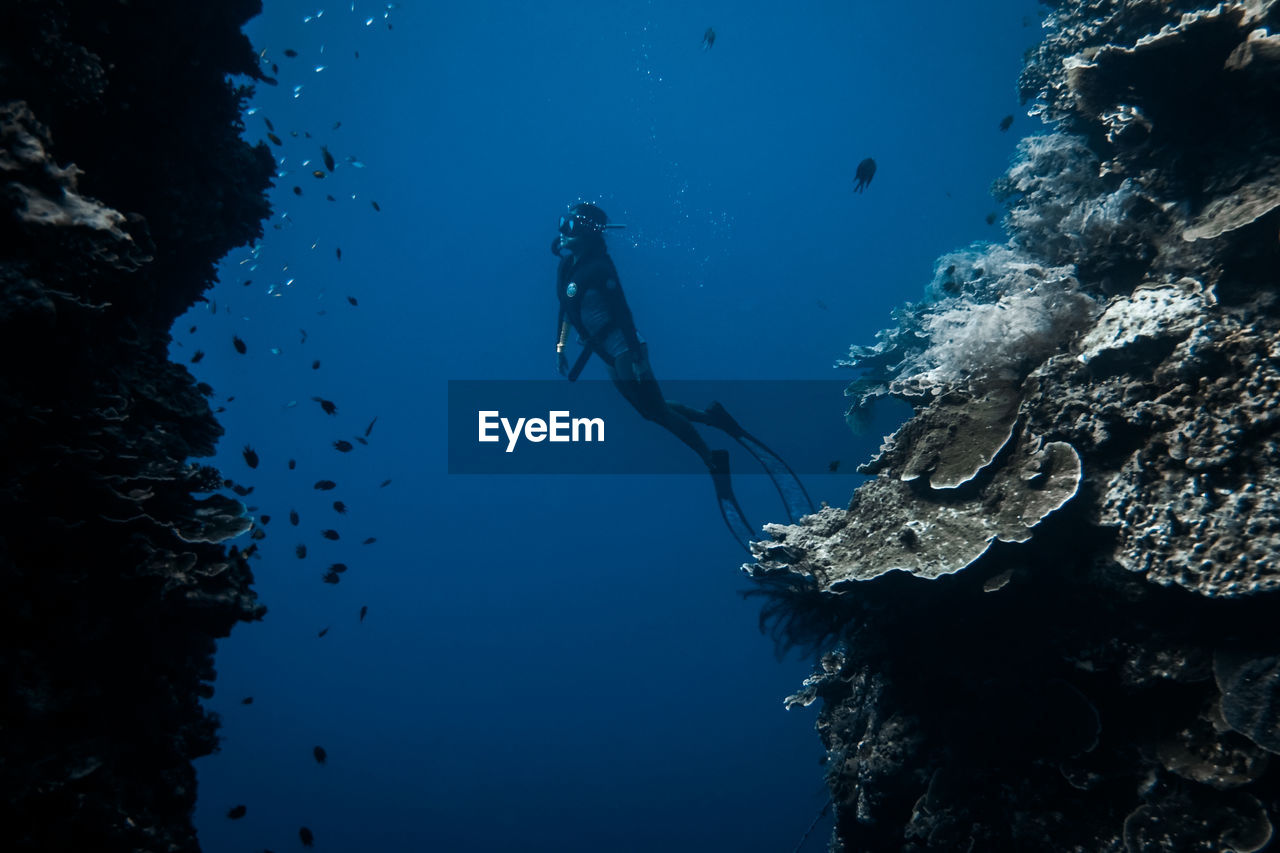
<point x="555" y="662"/>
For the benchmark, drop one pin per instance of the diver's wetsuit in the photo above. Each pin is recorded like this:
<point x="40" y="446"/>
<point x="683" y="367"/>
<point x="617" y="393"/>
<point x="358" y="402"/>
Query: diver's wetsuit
<point x="591" y="300"/>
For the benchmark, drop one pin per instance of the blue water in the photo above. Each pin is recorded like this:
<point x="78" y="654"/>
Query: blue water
<point x="557" y="663"/>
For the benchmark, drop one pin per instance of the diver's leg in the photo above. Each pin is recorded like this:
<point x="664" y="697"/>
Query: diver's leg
<point x="790" y="489"/>
<point x="636" y="381"/>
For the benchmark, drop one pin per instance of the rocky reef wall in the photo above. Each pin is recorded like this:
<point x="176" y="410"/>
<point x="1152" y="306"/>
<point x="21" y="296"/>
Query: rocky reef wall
<point x="1050" y="618"/>
<point x="123" y="179"/>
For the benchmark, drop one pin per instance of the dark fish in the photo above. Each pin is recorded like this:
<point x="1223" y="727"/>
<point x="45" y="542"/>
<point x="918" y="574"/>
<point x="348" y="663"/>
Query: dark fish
<point x="330" y="534"/>
<point x="339" y="507"/>
<point x="833" y="466"/>
<point x="364" y="611"/>
<point x="1006" y="123"/>
<point x="709" y="38"/>
<point x="294" y="134"/>
<point x="352" y="300"/>
<point x="375" y="206"/>
<point x="369" y="541"/>
<point x="320" y="754"/>
<point x="237" y="812"/>
<point x="275" y="69"/>
<point x="327" y="405"/>
<point x="297" y="190"/>
<point x="247" y="282"/>
<point x="220" y="410"/>
<point x="328" y="158"/>
<point x="238" y="344"/>
<point x="293" y="463"/>
<point x="275" y="140"/>
<point x="862" y="176"/>
<point x="306" y="837"/>
<point x="369" y="428"/>
<point x="338" y="252"/>
<point x="325" y="485"/>
<point x="338" y="568"/>
<point x="990" y="219"/>
<point x="822" y="305"/>
<point x="293" y="517"/>
<point x="195" y="358"/>
<point x="270" y="126"/>
<point x="243" y="491"/>
<point x="330" y="577"/>
<point x="191" y="331"/>
<point x="305" y="133"/>
<point x="357" y="54"/>
<point x="315" y="365"/>
<point x="385" y="483"/>
<point x="231" y="398"/>
<point x="362" y="440"/>
<point x="303" y="333"/>
<point x="290" y="52"/>
<point x="316" y="173"/>
<point x="342" y="446"/>
<point x="266" y="519"/>
<point x="337" y="124"/>
<point x="330" y="198"/>
<point x="301" y="551"/>
<point x="250" y="456"/>
<point x="248" y="700"/>
<point x="258" y="533"/>
<point x="323" y="631"/>
<point x="250" y="551"/>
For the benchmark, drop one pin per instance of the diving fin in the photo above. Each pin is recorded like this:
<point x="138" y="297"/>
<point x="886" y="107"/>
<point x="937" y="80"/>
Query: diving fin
<point x="790" y="489"/>
<point x="733" y="516"/>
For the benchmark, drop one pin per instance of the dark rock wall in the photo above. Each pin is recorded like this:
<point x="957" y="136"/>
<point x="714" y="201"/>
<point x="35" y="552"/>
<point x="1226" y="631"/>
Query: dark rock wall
<point x="123" y="180"/>
<point x="1051" y="618"/>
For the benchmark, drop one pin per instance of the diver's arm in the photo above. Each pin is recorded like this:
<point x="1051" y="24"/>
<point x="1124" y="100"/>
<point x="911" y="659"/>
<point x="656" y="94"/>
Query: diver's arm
<point x="562" y="362"/>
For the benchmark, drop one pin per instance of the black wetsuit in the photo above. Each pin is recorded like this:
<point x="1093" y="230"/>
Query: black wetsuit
<point x="597" y="307"/>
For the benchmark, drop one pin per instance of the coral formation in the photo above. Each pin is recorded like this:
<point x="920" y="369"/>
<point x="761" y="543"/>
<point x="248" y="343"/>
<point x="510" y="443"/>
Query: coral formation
<point x="115" y="576"/>
<point x="1058" y="592"/>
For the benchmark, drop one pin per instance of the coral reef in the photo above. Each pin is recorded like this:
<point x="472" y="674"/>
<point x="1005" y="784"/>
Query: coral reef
<point x="123" y="179"/>
<point x="1057" y="595"/>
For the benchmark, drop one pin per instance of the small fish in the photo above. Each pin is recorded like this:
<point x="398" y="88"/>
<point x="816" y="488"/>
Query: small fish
<point x="248" y="700"/>
<point x="265" y="519"/>
<point x="258" y="533"/>
<point x="303" y="332"/>
<point x="330" y="534"/>
<point x="330" y="577"/>
<point x="337" y="124"/>
<point x="250" y="456"/>
<point x="709" y="38"/>
<point x="990" y="219"/>
<point x="220" y="410"/>
<point x="297" y="190"/>
<point x="315" y="365"/>
<point x="369" y="541"/>
<point x="328" y="405"/>
<point x="330" y="198"/>
<point x="1006" y="123"/>
<point x="275" y="140"/>
<point x="270" y="126"/>
<point x="352" y="300"/>
<point x="385" y="483"/>
<point x="339" y="507"/>
<point x="236" y="812"/>
<point x="822" y="305"/>
<point x="364" y="611"/>
<point x="328" y="158"/>
<point x="362" y="440"/>
<point x="338" y="568"/>
<point x="320" y="754"/>
<point x="833" y="466"/>
<point x="293" y="517"/>
<point x="316" y="173"/>
<point x="369" y="428"/>
<point x="191" y="331"/>
<point x="195" y="358"/>
<point x="323" y="631"/>
<point x="301" y="551"/>
<point x="375" y="206"/>
<point x="863" y="174"/>
<point x="290" y="52"/>
<point x="338" y="251"/>
<point x="293" y="463"/>
<point x="325" y="485"/>
<point x="342" y="446"/>
<point x="238" y="344"/>
<point x="243" y="491"/>
<point x="306" y="837"/>
<point x="250" y="551"/>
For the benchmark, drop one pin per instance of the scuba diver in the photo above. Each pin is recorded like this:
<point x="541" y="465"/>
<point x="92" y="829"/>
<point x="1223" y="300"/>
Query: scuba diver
<point x="592" y="303"/>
